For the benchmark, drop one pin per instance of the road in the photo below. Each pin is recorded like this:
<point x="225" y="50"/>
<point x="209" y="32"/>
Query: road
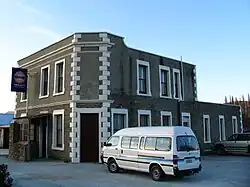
<point x="217" y="172"/>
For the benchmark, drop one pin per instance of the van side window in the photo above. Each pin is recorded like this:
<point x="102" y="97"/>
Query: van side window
<point x="114" y="140"/>
<point x="141" y="142"/>
<point x="150" y="143"/>
<point x="163" y="144"/>
<point x="134" y="142"/>
<point x="125" y="142"/>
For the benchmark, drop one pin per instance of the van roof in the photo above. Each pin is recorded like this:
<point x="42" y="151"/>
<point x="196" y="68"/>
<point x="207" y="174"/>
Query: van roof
<point x="159" y="130"/>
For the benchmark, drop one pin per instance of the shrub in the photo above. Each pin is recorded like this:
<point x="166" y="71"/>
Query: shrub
<point x="5" y="178"/>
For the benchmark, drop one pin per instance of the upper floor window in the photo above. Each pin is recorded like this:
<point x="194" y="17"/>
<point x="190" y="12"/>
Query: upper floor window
<point x="177" y="83"/>
<point x="59" y="77"/>
<point x="44" y="81"/>
<point x="165" y="83"/>
<point x="23" y="96"/>
<point x="143" y="78"/>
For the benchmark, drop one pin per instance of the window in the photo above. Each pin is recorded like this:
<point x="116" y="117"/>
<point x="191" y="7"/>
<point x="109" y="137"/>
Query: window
<point x="166" y="118"/>
<point x="114" y="140"/>
<point x="206" y="129"/>
<point x="125" y="142"/>
<point x="187" y="143"/>
<point x="144" y="118"/>
<point x="150" y="143"/>
<point x="134" y="142"/>
<point x="165" y="83"/>
<point x="222" y="128"/>
<point x="143" y="78"/>
<point x="158" y="143"/>
<point x="142" y="142"/>
<point x="186" y="119"/>
<point x="234" y="137"/>
<point x="23" y="96"/>
<point x="163" y="144"/>
<point x="119" y="119"/>
<point x="44" y="81"/>
<point x="59" y="77"/>
<point x="244" y="137"/>
<point x="234" y="124"/>
<point x="58" y="130"/>
<point x="177" y="83"/>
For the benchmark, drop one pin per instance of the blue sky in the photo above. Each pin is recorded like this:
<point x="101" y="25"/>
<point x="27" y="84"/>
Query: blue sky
<point x="213" y="34"/>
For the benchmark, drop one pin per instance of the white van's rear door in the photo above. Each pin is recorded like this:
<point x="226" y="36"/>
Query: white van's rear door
<point x="188" y="152"/>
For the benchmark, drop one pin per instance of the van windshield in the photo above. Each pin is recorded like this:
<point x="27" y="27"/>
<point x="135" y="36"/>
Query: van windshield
<point x="187" y="143"/>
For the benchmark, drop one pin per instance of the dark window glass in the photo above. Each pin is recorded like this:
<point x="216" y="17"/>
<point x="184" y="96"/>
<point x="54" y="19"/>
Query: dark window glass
<point x="58" y="121"/>
<point x="187" y="143"/>
<point x="119" y="122"/>
<point x="165" y="83"/>
<point x="45" y="80"/>
<point x="59" y="69"/>
<point x="166" y="120"/>
<point x="144" y="120"/>
<point x="176" y="85"/>
<point x="143" y="79"/>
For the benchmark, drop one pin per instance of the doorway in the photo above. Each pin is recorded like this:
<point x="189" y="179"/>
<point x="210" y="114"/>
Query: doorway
<point x="5" y="138"/>
<point x="89" y="137"/>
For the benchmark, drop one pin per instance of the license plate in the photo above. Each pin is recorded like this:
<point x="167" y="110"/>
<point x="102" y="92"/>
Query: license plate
<point x="189" y="160"/>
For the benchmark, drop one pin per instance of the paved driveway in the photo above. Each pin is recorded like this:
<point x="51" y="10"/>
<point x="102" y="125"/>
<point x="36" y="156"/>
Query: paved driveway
<point x="217" y="172"/>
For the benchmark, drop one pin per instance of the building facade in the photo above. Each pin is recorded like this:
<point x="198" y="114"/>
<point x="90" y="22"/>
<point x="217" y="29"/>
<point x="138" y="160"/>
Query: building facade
<point x="89" y="85"/>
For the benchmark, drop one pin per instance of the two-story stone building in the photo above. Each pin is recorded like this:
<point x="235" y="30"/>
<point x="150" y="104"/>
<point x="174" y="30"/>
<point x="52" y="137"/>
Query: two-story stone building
<point x="89" y="85"/>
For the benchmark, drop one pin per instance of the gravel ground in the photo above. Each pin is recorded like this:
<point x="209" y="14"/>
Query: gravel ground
<point x="217" y="172"/>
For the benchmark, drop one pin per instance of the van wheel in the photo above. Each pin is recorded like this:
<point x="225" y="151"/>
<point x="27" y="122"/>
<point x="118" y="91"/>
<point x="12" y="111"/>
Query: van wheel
<point x="112" y="166"/>
<point x="156" y="173"/>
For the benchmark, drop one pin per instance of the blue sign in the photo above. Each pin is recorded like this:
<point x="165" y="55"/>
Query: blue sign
<point x="19" y="80"/>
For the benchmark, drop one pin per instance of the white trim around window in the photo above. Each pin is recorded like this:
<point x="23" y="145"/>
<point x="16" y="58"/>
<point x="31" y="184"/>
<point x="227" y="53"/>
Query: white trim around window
<point x="165" y="68"/>
<point x="188" y="115"/>
<point x="179" y="84"/>
<point x="54" y="129"/>
<point x="41" y="82"/>
<point x="148" y="83"/>
<point x="234" y="125"/>
<point x="207" y="129"/>
<point x="166" y="113"/>
<point x="119" y="111"/>
<point x="21" y="99"/>
<point x="55" y="93"/>
<point x="222" y="134"/>
<point x="144" y="112"/>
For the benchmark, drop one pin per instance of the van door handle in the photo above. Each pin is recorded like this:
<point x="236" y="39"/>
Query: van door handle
<point x="121" y="151"/>
<point x="116" y="149"/>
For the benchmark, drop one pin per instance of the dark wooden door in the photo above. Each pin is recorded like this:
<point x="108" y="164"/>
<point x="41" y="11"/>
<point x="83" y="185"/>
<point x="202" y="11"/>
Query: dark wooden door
<point x="6" y="138"/>
<point x="89" y="147"/>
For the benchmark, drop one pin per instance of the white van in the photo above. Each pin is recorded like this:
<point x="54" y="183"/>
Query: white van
<point x="157" y="150"/>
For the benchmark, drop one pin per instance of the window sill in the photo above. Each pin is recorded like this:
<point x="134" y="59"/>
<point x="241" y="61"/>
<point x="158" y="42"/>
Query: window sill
<point x="58" y="148"/>
<point x="43" y="96"/>
<point x="207" y="142"/>
<point x="147" y="95"/>
<point x="165" y="97"/>
<point x="59" y="93"/>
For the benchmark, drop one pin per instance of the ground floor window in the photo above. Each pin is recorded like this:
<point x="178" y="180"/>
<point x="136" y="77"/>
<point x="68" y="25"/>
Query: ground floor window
<point x="206" y="128"/>
<point x="144" y="118"/>
<point x="186" y="119"/>
<point x="58" y="130"/>
<point x="166" y="118"/>
<point x="222" y="129"/>
<point x="119" y="118"/>
<point x="234" y="124"/>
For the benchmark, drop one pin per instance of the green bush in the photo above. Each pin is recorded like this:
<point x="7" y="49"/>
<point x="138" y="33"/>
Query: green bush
<point x="5" y="178"/>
